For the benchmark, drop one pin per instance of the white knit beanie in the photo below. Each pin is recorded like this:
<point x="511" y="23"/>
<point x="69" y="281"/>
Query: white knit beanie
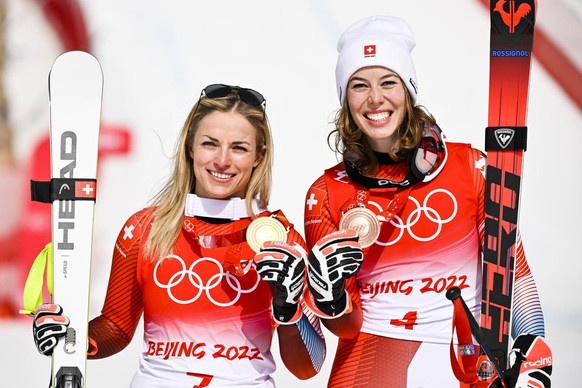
<point x="376" y="41"/>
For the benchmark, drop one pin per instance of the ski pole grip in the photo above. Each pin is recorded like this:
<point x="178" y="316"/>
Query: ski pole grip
<point x="453" y="293"/>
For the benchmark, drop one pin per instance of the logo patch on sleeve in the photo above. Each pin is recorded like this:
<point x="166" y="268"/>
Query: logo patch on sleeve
<point x="313" y="202"/>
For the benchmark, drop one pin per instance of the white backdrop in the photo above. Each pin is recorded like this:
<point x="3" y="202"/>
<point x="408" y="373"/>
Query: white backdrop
<point x="156" y="57"/>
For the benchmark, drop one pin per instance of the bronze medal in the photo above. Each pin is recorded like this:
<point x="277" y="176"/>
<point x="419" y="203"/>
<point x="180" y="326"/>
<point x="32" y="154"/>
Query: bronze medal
<point x="363" y="221"/>
<point x="264" y="229"/>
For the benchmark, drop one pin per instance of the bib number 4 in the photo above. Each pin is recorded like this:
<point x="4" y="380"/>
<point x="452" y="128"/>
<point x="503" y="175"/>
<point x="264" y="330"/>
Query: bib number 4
<point x="408" y="321"/>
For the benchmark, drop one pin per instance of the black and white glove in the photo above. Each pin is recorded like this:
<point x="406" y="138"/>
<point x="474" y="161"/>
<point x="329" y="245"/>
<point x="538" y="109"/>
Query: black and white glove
<point x="283" y="267"/>
<point x="49" y="324"/>
<point x="333" y="259"/>
<point x="532" y="363"/>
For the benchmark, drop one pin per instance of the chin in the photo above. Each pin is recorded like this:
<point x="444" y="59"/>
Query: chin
<point x="224" y="196"/>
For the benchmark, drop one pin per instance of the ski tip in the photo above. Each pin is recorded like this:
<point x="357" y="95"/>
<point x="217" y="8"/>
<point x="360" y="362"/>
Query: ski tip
<point x="78" y="69"/>
<point x="76" y="57"/>
<point x="77" y="54"/>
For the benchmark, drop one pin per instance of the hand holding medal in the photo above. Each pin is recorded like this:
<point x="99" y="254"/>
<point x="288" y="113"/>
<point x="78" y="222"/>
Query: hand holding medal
<point x="334" y="258"/>
<point x="283" y="267"/>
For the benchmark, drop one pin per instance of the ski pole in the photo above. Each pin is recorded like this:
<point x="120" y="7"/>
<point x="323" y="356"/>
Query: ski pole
<point x="455" y="293"/>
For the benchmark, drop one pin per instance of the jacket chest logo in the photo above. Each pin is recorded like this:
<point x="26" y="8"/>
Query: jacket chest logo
<point x="186" y="284"/>
<point x="422" y="221"/>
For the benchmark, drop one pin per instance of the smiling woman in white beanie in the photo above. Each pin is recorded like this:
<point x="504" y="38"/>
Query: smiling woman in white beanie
<point x="376" y="41"/>
<point x="396" y="223"/>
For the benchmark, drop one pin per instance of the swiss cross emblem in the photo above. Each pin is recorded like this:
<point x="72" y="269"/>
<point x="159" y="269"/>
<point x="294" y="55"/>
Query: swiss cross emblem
<point x="85" y="189"/>
<point x="314" y="201"/>
<point x="127" y="236"/>
<point x="370" y="50"/>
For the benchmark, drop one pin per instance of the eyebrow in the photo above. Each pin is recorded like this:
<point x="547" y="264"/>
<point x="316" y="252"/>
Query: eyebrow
<point x="233" y="143"/>
<point x="389" y="75"/>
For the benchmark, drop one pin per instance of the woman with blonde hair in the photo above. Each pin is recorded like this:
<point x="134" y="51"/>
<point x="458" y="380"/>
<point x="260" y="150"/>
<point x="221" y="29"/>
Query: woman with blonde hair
<point x="212" y="270"/>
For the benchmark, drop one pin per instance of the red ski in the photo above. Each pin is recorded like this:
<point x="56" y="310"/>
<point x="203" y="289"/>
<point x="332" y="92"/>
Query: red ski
<point x="512" y="29"/>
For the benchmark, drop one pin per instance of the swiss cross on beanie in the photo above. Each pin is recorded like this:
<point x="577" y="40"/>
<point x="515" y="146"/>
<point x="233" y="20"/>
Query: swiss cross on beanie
<point x="376" y="41"/>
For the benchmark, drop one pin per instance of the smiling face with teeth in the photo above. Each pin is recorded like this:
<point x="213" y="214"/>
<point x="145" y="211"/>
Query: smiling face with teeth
<point x="224" y="153"/>
<point x="376" y="100"/>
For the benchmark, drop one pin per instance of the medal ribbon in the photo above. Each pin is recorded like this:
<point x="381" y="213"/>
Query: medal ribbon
<point x="360" y="201"/>
<point x="395" y="205"/>
<point x="238" y="256"/>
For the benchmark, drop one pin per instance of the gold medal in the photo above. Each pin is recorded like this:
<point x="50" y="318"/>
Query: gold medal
<point x="363" y="221"/>
<point x="265" y="229"/>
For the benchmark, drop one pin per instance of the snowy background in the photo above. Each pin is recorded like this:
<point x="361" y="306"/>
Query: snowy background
<point x="156" y="57"/>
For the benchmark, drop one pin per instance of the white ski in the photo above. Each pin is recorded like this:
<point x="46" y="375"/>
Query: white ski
<point x="75" y="93"/>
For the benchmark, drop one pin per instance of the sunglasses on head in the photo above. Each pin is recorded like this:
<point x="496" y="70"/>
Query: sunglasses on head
<point x="249" y="96"/>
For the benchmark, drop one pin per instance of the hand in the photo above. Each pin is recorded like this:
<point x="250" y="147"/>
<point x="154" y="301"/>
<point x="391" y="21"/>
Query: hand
<point x="532" y="365"/>
<point x="334" y="258"/>
<point x="48" y="326"/>
<point x="283" y="267"/>
<point x="533" y="378"/>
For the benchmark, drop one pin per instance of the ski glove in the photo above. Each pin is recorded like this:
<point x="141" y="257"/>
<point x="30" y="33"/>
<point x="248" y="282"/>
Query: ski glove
<point x="333" y="259"/>
<point x="49" y="324"/>
<point x="532" y="364"/>
<point x="282" y="266"/>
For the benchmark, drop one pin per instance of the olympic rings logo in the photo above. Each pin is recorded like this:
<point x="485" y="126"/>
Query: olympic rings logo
<point x="361" y="196"/>
<point x="413" y="218"/>
<point x="188" y="226"/>
<point x="199" y="285"/>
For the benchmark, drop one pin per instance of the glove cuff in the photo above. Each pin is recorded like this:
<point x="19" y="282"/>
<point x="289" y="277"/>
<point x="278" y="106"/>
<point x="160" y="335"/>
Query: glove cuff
<point x="531" y="361"/>
<point x="334" y="309"/>
<point x="288" y="314"/>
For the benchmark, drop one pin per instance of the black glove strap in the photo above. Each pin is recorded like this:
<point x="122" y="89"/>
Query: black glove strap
<point x="335" y="307"/>
<point x="284" y="313"/>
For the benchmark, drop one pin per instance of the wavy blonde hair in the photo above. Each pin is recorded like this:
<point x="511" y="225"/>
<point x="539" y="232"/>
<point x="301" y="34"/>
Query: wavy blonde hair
<point x="167" y="210"/>
<point x="351" y="143"/>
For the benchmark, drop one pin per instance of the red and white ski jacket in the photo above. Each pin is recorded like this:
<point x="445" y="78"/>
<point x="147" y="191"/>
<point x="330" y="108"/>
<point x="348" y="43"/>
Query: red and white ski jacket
<point x="202" y="324"/>
<point x="433" y="243"/>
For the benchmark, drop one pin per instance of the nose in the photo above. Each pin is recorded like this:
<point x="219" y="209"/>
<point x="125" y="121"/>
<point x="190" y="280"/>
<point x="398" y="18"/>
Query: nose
<point x="375" y="95"/>
<point x="222" y="159"/>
